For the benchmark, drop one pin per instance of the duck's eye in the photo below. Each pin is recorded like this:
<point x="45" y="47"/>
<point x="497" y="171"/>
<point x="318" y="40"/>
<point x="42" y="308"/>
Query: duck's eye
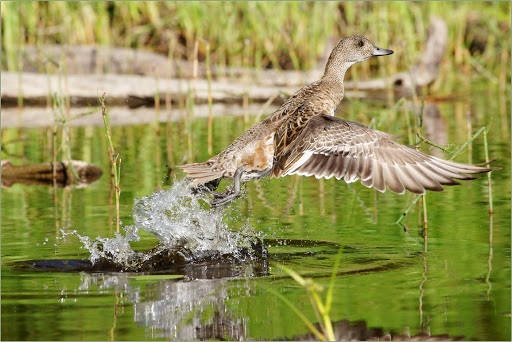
<point x="360" y="43"/>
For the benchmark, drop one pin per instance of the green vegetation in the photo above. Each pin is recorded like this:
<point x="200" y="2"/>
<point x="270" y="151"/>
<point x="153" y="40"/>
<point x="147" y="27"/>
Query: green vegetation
<point x="459" y="150"/>
<point x="264" y="34"/>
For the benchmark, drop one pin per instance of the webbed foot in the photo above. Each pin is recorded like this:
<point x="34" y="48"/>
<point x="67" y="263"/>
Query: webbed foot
<point x="229" y="195"/>
<point x="206" y="187"/>
<point x="224" y="198"/>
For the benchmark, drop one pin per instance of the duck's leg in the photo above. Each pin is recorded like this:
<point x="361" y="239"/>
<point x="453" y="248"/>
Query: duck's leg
<point x="206" y="187"/>
<point x="213" y="185"/>
<point x="231" y="194"/>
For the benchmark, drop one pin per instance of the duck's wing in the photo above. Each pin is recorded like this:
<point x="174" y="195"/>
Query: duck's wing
<point x="330" y="147"/>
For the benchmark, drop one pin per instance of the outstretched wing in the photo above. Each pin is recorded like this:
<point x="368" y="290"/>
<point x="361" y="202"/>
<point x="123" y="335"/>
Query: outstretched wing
<point x="330" y="147"/>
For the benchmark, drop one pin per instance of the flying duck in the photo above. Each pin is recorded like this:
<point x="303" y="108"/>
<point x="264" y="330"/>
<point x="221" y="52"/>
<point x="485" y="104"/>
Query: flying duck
<point x="303" y="137"/>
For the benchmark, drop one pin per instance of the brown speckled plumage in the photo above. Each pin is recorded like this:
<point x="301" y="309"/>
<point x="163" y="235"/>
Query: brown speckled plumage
<point x="302" y="137"/>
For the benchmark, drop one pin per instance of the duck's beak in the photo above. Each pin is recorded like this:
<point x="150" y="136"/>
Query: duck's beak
<point x="381" y="52"/>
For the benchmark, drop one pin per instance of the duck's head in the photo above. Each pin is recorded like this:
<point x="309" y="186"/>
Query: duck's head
<point x="351" y="50"/>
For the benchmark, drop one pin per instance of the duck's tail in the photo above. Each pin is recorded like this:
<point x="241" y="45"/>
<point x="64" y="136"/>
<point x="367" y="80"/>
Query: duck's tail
<point x="201" y="173"/>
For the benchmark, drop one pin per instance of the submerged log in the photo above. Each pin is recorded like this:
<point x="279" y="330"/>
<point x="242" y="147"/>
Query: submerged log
<point x="62" y="174"/>
<point x="230" y="85"/>
<point x="178" y="260"/>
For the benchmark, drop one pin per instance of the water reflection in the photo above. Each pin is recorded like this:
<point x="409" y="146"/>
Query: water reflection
<point x="182" y="310"/>
<point x="345" y="330"/>
<point x="435" y="128"/>
<point x="192" y="310"/>
<point x="455" y="298"/>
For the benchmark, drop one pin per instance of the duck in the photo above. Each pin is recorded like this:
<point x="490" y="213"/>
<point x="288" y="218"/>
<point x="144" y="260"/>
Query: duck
<point x="303" y="137"/>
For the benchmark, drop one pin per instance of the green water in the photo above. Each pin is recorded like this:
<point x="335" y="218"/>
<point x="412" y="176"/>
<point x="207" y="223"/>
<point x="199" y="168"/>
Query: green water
<point x="387" y="282"/>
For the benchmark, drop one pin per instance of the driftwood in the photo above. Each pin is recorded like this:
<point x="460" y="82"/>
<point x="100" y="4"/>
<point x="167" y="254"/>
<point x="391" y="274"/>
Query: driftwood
<point x="231" y="85"/>
<point x="74" y="173"/>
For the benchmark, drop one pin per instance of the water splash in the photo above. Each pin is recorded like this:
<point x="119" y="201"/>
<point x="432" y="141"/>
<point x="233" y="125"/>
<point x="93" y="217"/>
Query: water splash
<point x="181" y="221"/>
<point x="176" y="217"/>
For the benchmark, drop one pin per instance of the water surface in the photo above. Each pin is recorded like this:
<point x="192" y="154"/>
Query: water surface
<point x="387" y="282"/>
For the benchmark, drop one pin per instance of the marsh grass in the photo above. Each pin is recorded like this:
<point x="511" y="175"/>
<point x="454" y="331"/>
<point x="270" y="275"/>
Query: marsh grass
<point x="210" y="100"/>
<point x="286" y="35"/>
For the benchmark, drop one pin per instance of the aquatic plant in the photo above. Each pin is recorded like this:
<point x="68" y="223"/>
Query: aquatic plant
<point x="321" y="307"/>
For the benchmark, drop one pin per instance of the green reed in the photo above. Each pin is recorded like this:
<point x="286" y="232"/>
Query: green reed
<point x="115" y="159"/>
<point x="210" y="100"/>
<point x="489" y="180"/>
<point x="454" y="154"/>
<point x="321" y="307"/>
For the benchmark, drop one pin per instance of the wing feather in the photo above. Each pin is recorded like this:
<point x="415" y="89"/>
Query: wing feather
<point x="330" y="147"/>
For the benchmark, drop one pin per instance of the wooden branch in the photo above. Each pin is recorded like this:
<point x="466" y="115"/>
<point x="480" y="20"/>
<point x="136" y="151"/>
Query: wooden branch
<point x="88" y="59"/>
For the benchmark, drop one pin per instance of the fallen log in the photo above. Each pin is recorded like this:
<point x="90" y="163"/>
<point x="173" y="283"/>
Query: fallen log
<point x="131" y="90"/>
<point x="256" y="85"/>
<point x="61" y="174"/>
<point x="84" y="59"/>
<point x="120" y="89"/>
